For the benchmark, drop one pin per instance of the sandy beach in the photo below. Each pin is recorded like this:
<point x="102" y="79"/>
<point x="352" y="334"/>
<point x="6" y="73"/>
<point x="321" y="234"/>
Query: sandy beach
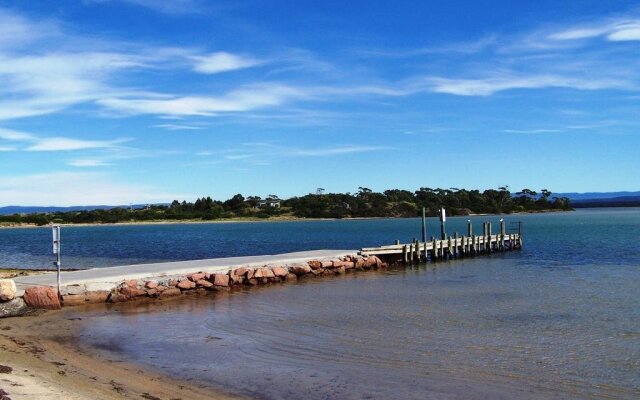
<point x="46" y="360"/>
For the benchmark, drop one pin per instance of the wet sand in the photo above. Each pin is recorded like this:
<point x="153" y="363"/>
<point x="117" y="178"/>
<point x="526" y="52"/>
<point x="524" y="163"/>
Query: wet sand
<point x="48" y="361"/>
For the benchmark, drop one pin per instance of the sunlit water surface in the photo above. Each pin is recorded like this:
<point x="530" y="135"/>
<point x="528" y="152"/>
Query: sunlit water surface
<point x="559" y="319"/>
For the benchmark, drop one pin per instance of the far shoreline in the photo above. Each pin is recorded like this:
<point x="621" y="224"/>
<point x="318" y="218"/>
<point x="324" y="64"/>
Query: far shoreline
<point x="260" y="220"/>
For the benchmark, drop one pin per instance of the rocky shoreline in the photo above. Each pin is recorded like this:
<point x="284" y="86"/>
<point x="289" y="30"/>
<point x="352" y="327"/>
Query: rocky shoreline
<point x="158" y="288"/>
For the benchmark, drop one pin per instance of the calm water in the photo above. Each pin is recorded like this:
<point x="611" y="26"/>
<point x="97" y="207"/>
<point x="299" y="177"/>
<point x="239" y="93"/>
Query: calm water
<point x="560" y="319"/>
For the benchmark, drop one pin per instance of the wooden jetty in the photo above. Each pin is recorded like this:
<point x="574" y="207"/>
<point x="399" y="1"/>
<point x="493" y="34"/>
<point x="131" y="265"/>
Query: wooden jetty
<point x="450" y="247"/>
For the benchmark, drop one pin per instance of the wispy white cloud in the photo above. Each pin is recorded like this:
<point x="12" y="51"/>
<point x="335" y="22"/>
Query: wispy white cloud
<point x="336" y="150"/>
<point x="74" y="188"/>
<point x="243" y="99"/>
<point x="33" y="142"/>
<point x="264" y="153"/>
<point x="66" y="144"/>
<point x="16" y="30"/>
<point x="9" y="134"/>
<point x="222" y="62"/>
<point x="178" y="127"/>
<point x="86" y="162"/>
<point x="489" y="86"/>
<point x="532" y="131"/>
<point x="630" y="32"/>
<point x="172" y="7"/>
<point x="615" y="30"/>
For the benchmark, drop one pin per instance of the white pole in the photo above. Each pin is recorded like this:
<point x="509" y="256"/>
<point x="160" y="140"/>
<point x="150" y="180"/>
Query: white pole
<point x="56" y="251"/>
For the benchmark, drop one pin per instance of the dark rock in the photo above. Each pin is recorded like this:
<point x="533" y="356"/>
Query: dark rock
<point x="315" y="264"/>
<point x="299" y="269"/>
<point x="13" y="308"/>
<point x="291" y="277"/>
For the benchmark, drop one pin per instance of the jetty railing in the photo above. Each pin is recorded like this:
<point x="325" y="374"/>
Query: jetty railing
<point x="451" y="247"/>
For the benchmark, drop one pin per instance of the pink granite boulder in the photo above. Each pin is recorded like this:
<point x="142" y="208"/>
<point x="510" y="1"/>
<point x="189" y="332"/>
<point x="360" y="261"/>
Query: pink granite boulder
<point x="42" y="297"/>
<point x="263" y="273"/>
<point x="186" y="284"/>
<point x="279" y="271"/>
<point x="204" y="283"/>
<point x="221" y="280"/>
<point x="196" y="277"/>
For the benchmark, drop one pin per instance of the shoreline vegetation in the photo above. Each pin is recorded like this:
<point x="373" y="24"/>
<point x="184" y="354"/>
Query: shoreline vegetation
<point x="363" y="204"/>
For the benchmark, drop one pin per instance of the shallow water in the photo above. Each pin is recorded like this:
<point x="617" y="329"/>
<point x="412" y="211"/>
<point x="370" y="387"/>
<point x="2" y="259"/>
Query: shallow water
<point x="559" y="319"/>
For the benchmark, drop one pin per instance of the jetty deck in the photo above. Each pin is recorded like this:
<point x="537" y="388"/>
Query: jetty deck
<point x="107" y="278"/>
<point x="445" y="249"/>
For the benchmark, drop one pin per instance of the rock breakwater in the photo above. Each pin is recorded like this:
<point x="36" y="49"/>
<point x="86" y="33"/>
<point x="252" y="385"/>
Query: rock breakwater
<point x="196" y="282"/>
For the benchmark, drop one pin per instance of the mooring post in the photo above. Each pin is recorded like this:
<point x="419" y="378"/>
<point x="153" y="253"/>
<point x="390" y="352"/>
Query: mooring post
<point x="455" y="244"/>
<point x="416" y="248"/>
<point x="520" y="235"/>
<point x="451" y="248"/>
<point x="405" y="256"/>
<point x="489" y="233"/>
<point x="463" y="245"/>
<point x="411" y="253"/>
<point x="434" y="249"/>
<point x="397" y="242"/>
<point x="443" y="219"/>
<point x="424" y="224"/>
<point x="502" y="233"/>
<point x="425" y="251"/>
<point x="442" y="255"/>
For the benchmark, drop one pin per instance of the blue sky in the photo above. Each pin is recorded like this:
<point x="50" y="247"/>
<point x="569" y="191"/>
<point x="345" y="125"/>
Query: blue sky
<point x="112" y="102"/>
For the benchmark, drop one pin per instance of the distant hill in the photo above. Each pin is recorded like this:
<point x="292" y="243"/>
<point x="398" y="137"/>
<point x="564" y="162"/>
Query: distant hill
<point x="574" y="197"/>
<point x="624" y="201"/>
<point x="8" y="210"/>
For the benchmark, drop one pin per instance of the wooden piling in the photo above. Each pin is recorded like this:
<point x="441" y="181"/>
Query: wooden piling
<point x="405" y="256"/>
<point x="424" y="225"/>
<point x="455" y="244"/>
<point x="411" y="253"/>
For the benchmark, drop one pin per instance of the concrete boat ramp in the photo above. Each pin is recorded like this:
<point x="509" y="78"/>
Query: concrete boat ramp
<point x="109" y="277"/>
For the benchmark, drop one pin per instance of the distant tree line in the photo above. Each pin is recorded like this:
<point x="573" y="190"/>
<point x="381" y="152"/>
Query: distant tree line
<point x="364" y="203"/>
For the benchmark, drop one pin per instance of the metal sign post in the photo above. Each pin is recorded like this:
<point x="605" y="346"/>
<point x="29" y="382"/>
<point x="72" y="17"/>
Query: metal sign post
<point x="56" y="251"/>
<point x="443" y="219"/>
